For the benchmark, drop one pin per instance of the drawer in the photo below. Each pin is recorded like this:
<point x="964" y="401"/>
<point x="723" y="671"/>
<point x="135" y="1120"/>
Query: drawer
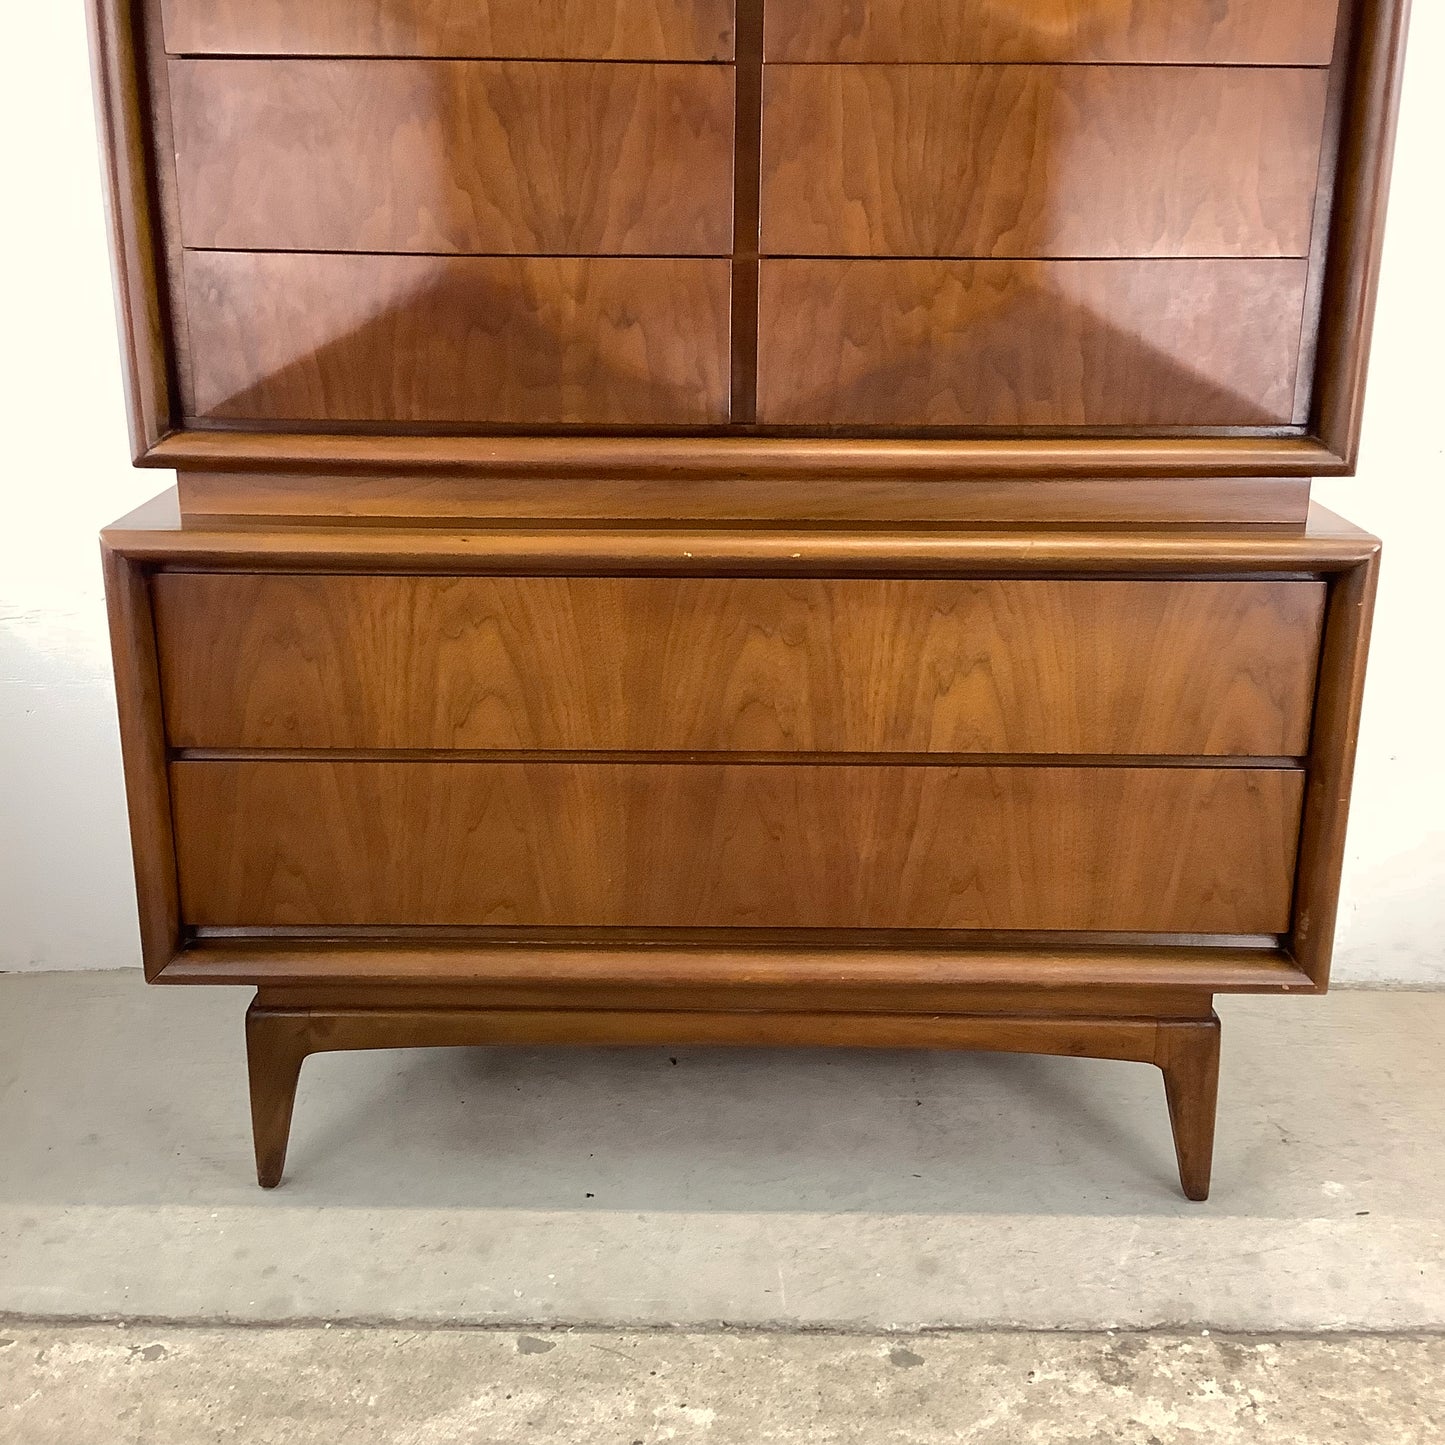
<point x="656" y="845"/>
<point x="1166" y="32"/>
<point x="1040" y="160"/>
<point x="1156" y="343"/>
<point x="739" y="664"/>
<point x="548" y="29"/>
<point x="510" y="157"/>
<point x="542" y="340"/>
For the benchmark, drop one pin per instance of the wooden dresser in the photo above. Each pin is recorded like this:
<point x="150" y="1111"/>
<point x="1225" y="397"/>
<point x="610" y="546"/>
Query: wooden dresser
<point x="775" y="522"/>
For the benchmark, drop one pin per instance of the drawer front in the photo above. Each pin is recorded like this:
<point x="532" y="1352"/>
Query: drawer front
<point x="511" y="157"/>
<point x="328" y="338"/>
<point x="1184" y="343"/>
<point x="1040" y="160"/>
<point x="1157" y="850"/>
<point x="549" y="29"/>
<point x="1165" y="32"/>
<point x="735" y="664"/>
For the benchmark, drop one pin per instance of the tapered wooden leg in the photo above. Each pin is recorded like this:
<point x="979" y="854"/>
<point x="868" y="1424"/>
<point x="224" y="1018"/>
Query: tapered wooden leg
<point x="277" y="1043"/>
<point x="279" y="1037"/>
<point x="1188" y="1053"/>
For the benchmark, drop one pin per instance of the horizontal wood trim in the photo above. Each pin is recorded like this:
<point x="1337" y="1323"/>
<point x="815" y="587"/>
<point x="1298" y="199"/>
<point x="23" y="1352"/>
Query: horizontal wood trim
<point x="155" y="534"/>
<point x="1134" y="1039"/>
<point x="1033" y="160"/>
<point x="1224" y="32"/>
<point x="1029" y="343"/>
<point x="269" y="498"/>
<point x="747" y="457"/>
<point x="1098" y="1001"/>
<point x="459" y="339"/>
<point x="752" y="759"/>
<point x="843" y="972"/>
<point x="761" y="665"/>
<point x="511" y="157"/>
<point x="657" y="845"/>
<point x="595" y="30"/>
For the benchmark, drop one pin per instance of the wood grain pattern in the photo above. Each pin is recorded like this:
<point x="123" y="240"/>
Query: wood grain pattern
<point x="143" y="746"/>
<point x="1329" y="397"/>
<point x="1175" y="32"/>
<point x="1037" y="160"/>
<point x="1163" y="850"/>
<point x="401" y="498"/>
<point x="509" y="157"/>
<point x="1349" y="618"/>
<point x="732" y="664"/>
<point x="137" y="244"/>
<point x="752" y="458"/>
<point x="560" y="29"/>
<point x="1185" y="343"/>
<point x="1357" y="230"/>
<point x="157" y="535"/>
<point x="896" y="973"/>
<point x="459" y="339"/>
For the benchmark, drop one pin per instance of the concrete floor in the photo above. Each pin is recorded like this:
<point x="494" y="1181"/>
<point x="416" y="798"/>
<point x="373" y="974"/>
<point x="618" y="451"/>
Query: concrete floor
<point x="313" y="1387"/>
<point x="859" y="1192"/>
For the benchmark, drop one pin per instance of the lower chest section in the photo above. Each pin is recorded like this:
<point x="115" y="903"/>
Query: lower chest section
<point x="382" y="754"/>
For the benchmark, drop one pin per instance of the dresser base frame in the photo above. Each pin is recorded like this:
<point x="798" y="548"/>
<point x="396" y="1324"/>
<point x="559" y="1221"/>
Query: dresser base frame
<point x="280" y="1036"/>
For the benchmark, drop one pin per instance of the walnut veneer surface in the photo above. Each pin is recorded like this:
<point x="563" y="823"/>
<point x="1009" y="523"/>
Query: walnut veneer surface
<point x="351" y="231"/>
<point x="773" y="522"/>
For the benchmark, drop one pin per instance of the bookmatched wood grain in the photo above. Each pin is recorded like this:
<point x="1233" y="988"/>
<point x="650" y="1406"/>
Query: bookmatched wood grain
<point x="1173" y="32"/>
<point x="1188" y="343"/>
<point x="171" y="428"/>
<point x="1035" y="160"/>
<point x="509" y="157"/>
<point x="561" y="29"/>
<point x="1167" y="850"/>
<point x="329" y="338"/>
<point x="733" y="664"/>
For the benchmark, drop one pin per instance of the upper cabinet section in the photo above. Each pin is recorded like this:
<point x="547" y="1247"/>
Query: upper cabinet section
<point x="1107" y="32"/>
<point x="750" y="239"/>
<point x="470" y="29"/>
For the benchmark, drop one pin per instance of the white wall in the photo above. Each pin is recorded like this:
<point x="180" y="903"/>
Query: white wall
<point x="65" y="891"/>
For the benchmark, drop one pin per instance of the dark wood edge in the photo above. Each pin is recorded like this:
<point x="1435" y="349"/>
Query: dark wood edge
<point x="747" y="207"/>
<point x="119" y="70"/>
<point x="1150" y="1003"/>
<point x="143" y="750"/>
<point x="771" y="458"/>
<point x="1331" y="147"/>
<point x="1331" y="767"/>
<point x="271" y="962"/>
<point x="341" y="1029"/>
<point x="1358" y="228"/>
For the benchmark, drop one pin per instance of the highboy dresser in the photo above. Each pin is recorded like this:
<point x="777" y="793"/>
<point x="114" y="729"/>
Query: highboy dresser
<point x="743" y="521"/>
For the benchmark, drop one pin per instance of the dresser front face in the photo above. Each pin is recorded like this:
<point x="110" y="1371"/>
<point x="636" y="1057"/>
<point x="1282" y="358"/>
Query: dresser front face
<point x="357" y="753"/>
<point x="1111" y="221"/>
